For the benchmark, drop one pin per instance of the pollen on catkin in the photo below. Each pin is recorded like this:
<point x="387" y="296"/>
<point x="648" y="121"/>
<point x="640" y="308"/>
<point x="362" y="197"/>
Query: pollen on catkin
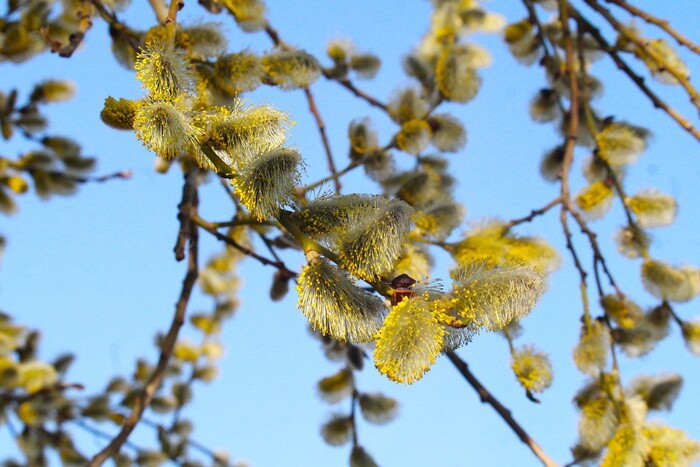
<point x="621" y="143"/>
<point x="627" y="447"/>
<point x="167" y="128"/>
<point x="244" y="132"/>
<point x="266" y="183"/>
<point x="438" y="220"/>
<point x="291" y="69"/>
<point x="594" y="200"/>
<point x="456" y="77"/>
<point x="691" y="335"/>
<point x="597" y="423"/>
<point x="653" y="208"/>
<point x="414" y="136"/>
<point x="164" y="71"/>
<point x="238" y="72"/>
<point x="119" y="114"/>
<point x="335" y="306"/>
<point x="407" y="104"/>
<point x="492" y="297"/>
<point x="376" y="241"/>
<point x="666" y="282"/>
<point x="54" y="91"/>
<point x="329" y="217"/>
<point x="409" y="342"/>
<point x="591" y="352"/>
<point x="205" y="40"/>
<point x="670" y="447"/>
<point x="532" y="368"/>
<point x="249" y="14"/>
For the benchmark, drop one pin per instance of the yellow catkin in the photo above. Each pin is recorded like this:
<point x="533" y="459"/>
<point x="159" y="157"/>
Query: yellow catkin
<point x="409" y="342"/>
<point x="335" y="306"/>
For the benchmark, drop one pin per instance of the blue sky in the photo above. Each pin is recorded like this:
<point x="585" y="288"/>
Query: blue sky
<point x="95" y="272"/>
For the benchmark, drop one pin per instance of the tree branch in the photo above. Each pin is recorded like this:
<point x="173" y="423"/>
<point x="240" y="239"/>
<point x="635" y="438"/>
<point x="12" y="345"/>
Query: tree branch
<point x="324" y="138"/>
<point x="636" y="79"/>
<point x="661" y="23"/>
<point x="488" y="398"/>
<point x="247" y="251"/>
<point x="644" y="47"/>
<point x="146" y="395"/>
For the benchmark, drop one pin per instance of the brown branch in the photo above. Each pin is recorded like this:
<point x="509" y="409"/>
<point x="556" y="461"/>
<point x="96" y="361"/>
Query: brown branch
<point x="334" y="176"/>
<point x="347" y="84"/>
<point x="488" y="398"/>
<point x="597" y="253"/>
<point x="324" y="138"/>
<point x="636" y="79"/>
<point x="573" y="113"/>
<point x="211" y="228"/>
<point x="534" y="213"/>
<point x="572" y="131"/>
<point x="74" y="40"/>
<point x="661" y="23"/>
<point x="189" y="195"/>
<point x="275" y="38"/>
<point x="644" y="47"/>
<point x="146" y="395"/>
<point x="542" y="36"/>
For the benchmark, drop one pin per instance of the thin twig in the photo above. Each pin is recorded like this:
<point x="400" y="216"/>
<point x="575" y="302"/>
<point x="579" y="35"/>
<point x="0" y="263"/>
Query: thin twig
<point x="488" y="398"/>
<point x="541" y="36"/>
<point x="275" y="38"/>
<point x="247" y="251"/>
<point x="636" y="79"/>
<point x="189" y="193"/>
<point x="196" y="445"/>
<point x="646" y="50"/>
<point x="146" y="395"/>
<point x="534" y="213"/>
<point x="571" y="132"/>
<point x="75" y="39"/>
<point x="334" y="176"/>
<point x="324" y="137"/>
<point x="347" y="84"/>
<point x="661" y="23"/>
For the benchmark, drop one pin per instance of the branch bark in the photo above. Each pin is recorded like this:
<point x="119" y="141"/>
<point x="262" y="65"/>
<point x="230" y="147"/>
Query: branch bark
<point x="144" y="398"/>
<point x="488" y="398"/>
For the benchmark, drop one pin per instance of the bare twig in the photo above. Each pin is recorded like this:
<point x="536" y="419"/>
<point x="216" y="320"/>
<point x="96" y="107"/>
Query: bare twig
<point x="646" y="50"/>
<point x="189" y="193"/>
<point x="347" y="84"/>
<point x="534" y="213"/>
<point x="661" y="23"/>
<point x="334" y="176"/>
<point x="75" y="39"/>
<point x="275" y="38"/>
<point x="211" y="228"/>
<point x="488" y="398"/>
<point x="146" y="395"/>
<point x="636" y="79"/>
<point x="542" y="37"/>
<point x="571" y="132"/>
<point x="324" y="138"/>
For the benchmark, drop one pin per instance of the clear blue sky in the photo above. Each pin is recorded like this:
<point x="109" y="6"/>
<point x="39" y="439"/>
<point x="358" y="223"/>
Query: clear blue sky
<point x="95" y="272"/>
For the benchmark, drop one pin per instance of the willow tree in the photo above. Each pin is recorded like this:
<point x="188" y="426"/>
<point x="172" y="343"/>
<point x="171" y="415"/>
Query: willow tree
<point x="368" y="230"/>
